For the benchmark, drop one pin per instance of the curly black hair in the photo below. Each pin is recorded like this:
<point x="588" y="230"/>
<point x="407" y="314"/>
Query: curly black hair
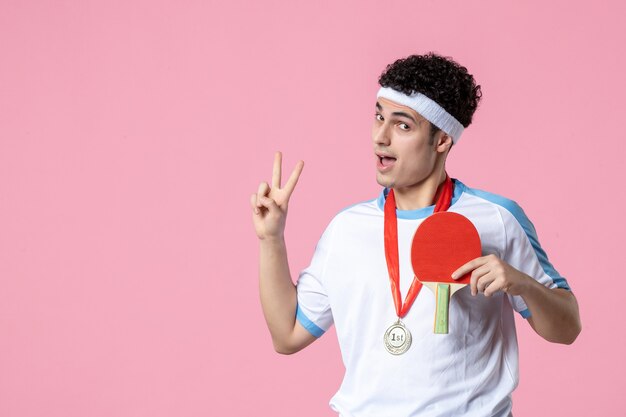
<point x="439" y="78"/>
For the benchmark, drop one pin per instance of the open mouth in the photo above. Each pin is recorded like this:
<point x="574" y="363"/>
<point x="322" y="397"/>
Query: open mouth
<point x="385" y="161"/>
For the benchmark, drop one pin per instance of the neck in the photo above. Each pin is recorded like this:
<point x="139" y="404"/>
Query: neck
<point x="422" y="194"/>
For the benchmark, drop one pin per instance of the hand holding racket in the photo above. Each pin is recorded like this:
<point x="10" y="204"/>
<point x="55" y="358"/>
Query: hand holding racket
<point x="489" y="274"/>
<point x="269" y="204"/>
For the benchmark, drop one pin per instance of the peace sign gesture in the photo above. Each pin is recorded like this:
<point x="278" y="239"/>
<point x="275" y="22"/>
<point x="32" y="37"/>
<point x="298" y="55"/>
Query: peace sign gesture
<point x="269" y="204"/>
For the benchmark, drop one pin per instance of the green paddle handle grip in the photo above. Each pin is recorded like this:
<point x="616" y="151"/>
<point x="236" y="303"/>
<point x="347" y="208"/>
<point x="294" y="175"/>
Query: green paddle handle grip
<point x="442" y="309"/>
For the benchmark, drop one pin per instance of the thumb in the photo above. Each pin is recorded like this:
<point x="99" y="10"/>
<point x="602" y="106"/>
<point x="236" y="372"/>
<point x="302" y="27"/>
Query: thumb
<point x="270" y="205"/>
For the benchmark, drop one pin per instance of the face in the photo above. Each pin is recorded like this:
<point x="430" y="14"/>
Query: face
<point x="404" y="153"/>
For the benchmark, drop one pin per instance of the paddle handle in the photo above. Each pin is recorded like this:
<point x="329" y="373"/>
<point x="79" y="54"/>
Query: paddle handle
<point x="442" y="309"/>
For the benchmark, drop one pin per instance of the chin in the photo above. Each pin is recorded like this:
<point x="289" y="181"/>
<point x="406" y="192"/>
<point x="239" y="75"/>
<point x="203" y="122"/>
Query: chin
<point x="383" y="182"/>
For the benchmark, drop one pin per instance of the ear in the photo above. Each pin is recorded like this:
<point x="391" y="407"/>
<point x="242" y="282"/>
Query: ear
<point x="444" y="141"/>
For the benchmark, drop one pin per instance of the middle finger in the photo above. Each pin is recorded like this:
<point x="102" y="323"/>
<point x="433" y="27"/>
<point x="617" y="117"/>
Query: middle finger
<point x="476" y="275"/>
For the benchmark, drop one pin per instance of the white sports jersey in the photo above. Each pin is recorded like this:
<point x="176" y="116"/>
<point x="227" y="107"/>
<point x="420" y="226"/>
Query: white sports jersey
<point x="470" y="371"/>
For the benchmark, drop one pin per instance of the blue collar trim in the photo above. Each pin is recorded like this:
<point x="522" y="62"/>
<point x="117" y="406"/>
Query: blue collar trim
<point x="459" y="187"/>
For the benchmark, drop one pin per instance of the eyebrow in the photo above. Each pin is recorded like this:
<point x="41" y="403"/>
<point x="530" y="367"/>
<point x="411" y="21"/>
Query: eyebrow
<point x="398" y="113"/>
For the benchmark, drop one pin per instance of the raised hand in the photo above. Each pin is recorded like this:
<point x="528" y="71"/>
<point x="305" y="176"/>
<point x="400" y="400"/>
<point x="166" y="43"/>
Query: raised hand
<point x="269" y="204"/>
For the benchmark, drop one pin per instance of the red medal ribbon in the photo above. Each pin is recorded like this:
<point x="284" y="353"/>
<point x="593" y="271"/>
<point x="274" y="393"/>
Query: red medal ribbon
<point x="391" y="246"/>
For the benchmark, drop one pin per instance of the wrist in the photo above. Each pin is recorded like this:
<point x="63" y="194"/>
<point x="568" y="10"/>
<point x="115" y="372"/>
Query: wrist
<point x="527" y="285"/>
<point x="272" y="240"/>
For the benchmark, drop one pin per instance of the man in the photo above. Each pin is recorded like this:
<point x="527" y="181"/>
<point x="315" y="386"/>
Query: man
<point x="422" y="107"/>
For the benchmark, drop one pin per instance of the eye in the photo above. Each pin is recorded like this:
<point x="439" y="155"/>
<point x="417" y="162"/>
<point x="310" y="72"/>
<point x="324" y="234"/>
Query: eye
<point x="379" y="117"/>
<point x="403" y="126"/>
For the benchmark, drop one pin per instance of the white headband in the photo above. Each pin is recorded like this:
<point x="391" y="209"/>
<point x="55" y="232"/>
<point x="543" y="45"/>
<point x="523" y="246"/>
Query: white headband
<point x="427" y="108"/>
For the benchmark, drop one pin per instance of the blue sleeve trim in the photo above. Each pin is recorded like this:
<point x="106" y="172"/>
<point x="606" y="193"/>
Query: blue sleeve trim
<point x="525" y="313"/>
<point x="313" y="328"/>
<point x="530" y="231"/>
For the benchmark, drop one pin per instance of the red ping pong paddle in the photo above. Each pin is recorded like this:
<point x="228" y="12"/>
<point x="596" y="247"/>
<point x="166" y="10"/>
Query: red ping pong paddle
<point x="442" y="243"/>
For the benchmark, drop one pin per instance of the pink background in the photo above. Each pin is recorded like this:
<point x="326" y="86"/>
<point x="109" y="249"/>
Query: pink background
<point x="132" y="134"/>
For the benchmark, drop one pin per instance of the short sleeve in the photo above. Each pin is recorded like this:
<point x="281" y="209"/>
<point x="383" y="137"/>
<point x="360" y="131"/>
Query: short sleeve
<point x="313" y="310"/>
<point x="524" y="253"/>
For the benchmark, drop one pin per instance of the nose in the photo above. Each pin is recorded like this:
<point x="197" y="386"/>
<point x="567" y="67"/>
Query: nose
<point x="380" y="134"/>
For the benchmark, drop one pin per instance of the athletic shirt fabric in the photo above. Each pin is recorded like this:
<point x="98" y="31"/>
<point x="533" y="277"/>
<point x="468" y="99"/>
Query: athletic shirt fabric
<point x="470" y="371"/>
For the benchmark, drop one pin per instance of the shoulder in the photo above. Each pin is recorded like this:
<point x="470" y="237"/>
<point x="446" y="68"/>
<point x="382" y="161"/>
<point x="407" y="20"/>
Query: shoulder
<point x="509" y="209"/>
<point x="350" y="218"/>
<point x="355" y="212"/>
<point x="358" y="208"/>
<point x="494" y="199"/>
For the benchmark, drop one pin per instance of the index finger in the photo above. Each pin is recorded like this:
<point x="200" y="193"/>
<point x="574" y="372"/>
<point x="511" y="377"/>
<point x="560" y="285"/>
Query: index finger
<point x="278" y="156"/>
<point x="468" y="267"/>
<point x="293" y="178"/>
